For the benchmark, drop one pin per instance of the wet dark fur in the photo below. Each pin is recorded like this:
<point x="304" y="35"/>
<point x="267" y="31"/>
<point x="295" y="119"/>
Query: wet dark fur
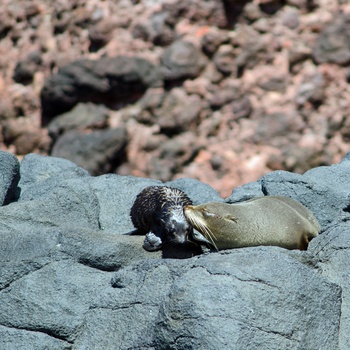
<point x="159" y="209"/>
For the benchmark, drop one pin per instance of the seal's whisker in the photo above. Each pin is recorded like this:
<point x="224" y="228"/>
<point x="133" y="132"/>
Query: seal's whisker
<point x="202" y="228"/>
<point x="210" y="235"/>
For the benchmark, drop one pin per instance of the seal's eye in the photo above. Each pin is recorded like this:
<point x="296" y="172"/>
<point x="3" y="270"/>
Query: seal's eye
<point x="208" y="213"/>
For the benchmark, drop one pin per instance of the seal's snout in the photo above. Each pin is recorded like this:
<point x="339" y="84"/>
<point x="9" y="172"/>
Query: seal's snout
<point x="179" y="231"/>
<point x="180" y="238"/>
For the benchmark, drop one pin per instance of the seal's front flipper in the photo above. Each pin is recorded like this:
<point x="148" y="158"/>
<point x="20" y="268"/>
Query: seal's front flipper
<point x="152" y="242"/>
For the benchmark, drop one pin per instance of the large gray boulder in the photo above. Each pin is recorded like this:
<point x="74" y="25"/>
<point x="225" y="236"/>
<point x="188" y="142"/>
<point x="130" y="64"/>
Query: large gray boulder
<point x="252" y="298"/>
<point x="9" y="177"/>
<point x="71" y="279"/>
<point x="332" y="255"/>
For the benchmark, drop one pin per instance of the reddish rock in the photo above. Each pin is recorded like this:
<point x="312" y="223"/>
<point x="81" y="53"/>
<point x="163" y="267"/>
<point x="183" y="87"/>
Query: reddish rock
<point x="250" y="87"/>
<point x="182" y="60"/>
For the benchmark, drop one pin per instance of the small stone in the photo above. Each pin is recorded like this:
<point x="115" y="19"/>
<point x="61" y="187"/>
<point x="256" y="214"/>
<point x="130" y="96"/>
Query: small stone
<point x="224" y="60"/>
<point x="182" y="60"/>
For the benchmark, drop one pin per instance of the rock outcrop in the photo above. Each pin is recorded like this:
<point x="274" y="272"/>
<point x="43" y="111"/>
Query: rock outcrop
<point x="223" y="91"/>
<point x="71" y="279"/>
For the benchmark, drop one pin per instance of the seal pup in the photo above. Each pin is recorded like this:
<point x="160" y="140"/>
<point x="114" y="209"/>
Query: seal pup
<point x="158" y="213"/>
<point x="270" y="221"/>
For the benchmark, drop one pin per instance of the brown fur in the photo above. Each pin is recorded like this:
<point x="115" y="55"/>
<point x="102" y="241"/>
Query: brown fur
<point x="270" y="220"/>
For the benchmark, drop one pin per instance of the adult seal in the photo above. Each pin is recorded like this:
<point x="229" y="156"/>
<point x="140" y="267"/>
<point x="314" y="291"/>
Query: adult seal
<point x="269" y="221"/>
<point x="158" y="214"/>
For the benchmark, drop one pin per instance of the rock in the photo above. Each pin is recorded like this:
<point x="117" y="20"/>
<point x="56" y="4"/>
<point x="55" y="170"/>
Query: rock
<point x="174" y="113"/>
<point x="36" y="170"/>
<point x="290" y="19"/>
<point x="182" y="60"/>
<point x="99" y="152"/>
<point x="252" y="11"/>
<point x="313" y="189"/>
<point x="159" y="29"/>
<point x="82" y="116"/>
<point x="70" y="278"/>
<point x="332" y="45"/>
<point x="276" y="126"/>
<point x="29" y="340"/>
<point x="312" y="91"/>
<point x="69" y="17"/>
<point x="178" y="112"/>
<point x="55" y="203"/>
<point x="242" y="108"/>
<point x="224" y="94"/>
<point x="236" y="310"/>
<point x="332" y="254"/>
<point x="233" y="10"/>
<point x="63" y="227"/>
<point x="25" y="136"/>
<point x="245" y="192"/>
<point x="212" y="40"/>
<point x="274" y="84"/>
<point x="6" y="24"/>
<point x="9" y="177"/>
<point x="199" y="192"/>
<point x="108" y="80"/>
<point x="224" y="60"/>
<point x="174" y="154"/>
<point x="305" y="4"/>
<point x="298" y="53"/>
<point x="116" y="195"/>
<point x="271" y="6"/>
<point x="101" y="33"/>
<point x="25" y="69"/>
<point x="63" y="282"/>
<point x="239" y="40"/>
<point x="252" y="48"/>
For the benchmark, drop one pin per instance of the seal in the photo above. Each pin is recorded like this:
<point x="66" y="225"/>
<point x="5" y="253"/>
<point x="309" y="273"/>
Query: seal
<point x="158" y="213"/>
<point x="270" y="221"/>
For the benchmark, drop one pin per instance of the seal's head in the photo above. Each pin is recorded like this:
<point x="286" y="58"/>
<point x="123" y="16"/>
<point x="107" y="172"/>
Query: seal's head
<point x="158" y="213"/>
<point x="206" y="221"/>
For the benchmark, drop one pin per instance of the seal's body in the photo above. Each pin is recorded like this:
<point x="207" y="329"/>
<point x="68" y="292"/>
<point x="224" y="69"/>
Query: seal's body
<point x="270" y="220"/>
<point x="158" y="213"/>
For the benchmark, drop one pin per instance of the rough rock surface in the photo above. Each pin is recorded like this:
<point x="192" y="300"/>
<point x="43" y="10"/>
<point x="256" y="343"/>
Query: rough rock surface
<point x="219" y="90"/>
<point x="109" y="80"/>
<point x="9" y="177"/>
<point x="70" y="279"/>
<point x="98" y="151"/>
<point x="85" y="116"/>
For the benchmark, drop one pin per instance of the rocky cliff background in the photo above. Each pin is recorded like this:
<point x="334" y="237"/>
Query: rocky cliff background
<point x="218" y="90"/>
<point x="70" y="279"/>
